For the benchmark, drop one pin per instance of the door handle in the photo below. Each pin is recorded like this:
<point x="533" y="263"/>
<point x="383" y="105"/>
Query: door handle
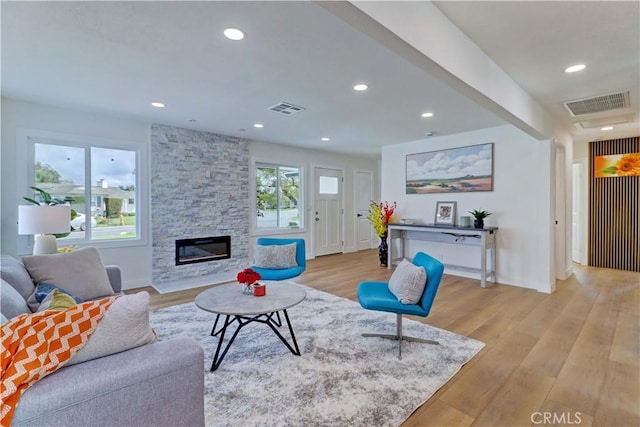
<point x="359" y="215"/>
<point x="317" y="219"/>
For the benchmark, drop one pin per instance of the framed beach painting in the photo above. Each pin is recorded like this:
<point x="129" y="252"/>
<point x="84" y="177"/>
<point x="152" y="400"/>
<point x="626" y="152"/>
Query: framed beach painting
<point x="455" y="170"/>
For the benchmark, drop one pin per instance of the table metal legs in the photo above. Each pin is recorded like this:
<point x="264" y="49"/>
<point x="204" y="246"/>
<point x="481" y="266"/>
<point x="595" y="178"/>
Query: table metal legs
<point x="267" y="319"/>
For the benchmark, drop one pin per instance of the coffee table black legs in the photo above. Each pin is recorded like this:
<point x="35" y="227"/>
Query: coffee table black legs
<point x="242" y="321"/>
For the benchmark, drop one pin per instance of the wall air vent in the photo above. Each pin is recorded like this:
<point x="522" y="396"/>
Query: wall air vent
<point x="286" y="108"/>
<point x="598" y="104"/>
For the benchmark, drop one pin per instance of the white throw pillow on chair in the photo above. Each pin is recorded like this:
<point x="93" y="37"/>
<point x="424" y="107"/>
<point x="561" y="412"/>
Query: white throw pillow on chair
<point x="275" y="256"/>
<point x="407" y="282"/>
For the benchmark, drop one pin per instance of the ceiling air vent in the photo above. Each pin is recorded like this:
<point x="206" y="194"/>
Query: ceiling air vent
<point x="605" y="121"/>
<point x="598" y="104"/>
<point x="286" y="108"/>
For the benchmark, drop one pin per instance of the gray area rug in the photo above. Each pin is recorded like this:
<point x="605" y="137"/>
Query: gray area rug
<point x="341" y="378"/>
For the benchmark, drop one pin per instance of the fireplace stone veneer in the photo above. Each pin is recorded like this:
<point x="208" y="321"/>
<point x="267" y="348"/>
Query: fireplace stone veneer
<point x="199" y="187"/>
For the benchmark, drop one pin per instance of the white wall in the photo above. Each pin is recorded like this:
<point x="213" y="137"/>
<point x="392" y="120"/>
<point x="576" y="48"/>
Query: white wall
<point x="134" y="261"/>
<point x="308" y="160"/>
<point x="521" y="203"/>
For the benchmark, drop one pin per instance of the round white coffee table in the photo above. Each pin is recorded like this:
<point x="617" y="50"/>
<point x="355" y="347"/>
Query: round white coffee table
<point x="241" y="309"/>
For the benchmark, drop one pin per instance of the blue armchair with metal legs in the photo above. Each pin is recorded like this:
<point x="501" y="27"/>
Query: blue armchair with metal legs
<point x="283" y="273"/>
<point x="377" y="296"/>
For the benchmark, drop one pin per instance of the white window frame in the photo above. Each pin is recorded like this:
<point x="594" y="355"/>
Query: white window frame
<point x="27" y="138"/>
<point x="262" y="231"/>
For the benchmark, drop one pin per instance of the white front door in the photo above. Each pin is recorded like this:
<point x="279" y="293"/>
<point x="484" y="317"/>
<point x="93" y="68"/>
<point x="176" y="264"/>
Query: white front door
<point x="364" y="193"/>
<point x="328" y="212"/>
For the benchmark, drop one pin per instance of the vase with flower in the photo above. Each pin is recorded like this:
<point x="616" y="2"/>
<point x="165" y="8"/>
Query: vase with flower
<point x="247" y="278"/>
<point x="380" y="215"/>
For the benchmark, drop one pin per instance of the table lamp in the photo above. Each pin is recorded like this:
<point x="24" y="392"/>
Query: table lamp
<point x="42" y="221"/>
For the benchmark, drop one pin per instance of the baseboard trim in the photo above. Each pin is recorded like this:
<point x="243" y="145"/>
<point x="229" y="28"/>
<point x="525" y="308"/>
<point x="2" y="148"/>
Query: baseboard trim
<point x="193" y="282"/>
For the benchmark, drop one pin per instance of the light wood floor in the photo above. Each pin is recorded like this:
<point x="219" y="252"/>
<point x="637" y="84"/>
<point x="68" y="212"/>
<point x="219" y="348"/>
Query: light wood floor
<point x="572" y="356"/>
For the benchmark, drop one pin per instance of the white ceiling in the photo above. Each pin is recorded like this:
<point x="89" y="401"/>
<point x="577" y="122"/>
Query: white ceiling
<point x="533" y="41"/>
<point x="117" y="57"/>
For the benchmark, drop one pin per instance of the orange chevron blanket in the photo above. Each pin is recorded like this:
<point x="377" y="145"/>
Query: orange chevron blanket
<point x="36" y="345"/>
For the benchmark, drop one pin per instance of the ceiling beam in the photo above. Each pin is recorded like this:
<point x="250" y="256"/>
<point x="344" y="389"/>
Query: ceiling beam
<point x="423" y="35"/>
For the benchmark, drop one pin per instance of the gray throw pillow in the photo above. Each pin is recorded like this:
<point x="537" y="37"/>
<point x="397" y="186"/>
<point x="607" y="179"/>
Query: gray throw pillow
<point x="407" y="282"/>
<point x="275" y="256"/>
<point x="125" y="325"/>
<point x="11" y="302"/>
<point x="81" y="272"/>
<point x="13" y="272"/>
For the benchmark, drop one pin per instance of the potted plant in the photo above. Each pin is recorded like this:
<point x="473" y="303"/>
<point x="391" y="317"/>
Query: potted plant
<point x="479" y="216"/>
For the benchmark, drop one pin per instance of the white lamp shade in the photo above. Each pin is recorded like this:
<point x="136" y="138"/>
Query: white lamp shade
<point x="44" y="219"/>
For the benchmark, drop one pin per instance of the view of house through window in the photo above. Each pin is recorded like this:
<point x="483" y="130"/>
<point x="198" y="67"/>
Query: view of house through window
<point x="278" y="196"/>
<point x="106" y="209"/>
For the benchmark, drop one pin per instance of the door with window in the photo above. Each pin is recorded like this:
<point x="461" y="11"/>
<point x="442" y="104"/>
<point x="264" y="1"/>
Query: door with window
<point x="363" y="195"/>
<point x="328" y="211"/>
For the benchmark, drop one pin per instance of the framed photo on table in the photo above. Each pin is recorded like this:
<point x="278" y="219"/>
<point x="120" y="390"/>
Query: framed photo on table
<point x="445" y="213"/>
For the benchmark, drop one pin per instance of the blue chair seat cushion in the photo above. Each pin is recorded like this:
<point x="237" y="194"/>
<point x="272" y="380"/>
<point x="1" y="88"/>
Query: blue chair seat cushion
<point x="280" y="273"/>
<point x="376" y="296"/>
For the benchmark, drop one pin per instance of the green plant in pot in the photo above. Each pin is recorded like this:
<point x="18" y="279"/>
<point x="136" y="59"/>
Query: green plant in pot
<point x="479" y="216"/>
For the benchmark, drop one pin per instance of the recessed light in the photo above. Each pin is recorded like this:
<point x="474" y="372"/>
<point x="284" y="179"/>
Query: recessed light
<point x="258" y="125"/>
<point x="325" y="139"/>
<point x="606" y="128"/>
<point x="233" y="34"/>
<point x="427" y="114"/>
<point x="157" y="104"/>
<point x="360" y="87"/>
<point x="574" y="68"/>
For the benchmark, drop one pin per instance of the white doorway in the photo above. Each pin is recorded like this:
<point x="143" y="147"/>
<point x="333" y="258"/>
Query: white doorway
<point x="561" y="245"/>
<point x="328" y="212"/>
<point x="363" y="187"/>
<point x="576" y="213"/>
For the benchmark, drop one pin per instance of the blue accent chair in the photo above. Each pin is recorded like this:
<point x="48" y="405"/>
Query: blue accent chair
<point x="377" y="296"/>
<point x="283" y="273"/>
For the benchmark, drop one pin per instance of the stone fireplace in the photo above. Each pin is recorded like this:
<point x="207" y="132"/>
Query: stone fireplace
<point x="199" y="187"/>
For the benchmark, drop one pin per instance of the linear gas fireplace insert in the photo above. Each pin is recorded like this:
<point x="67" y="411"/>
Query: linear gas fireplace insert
<point x="203" y="249"/>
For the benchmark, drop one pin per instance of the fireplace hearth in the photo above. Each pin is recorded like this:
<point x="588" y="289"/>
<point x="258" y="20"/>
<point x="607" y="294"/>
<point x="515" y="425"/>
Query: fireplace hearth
<point x="203" y="249"/>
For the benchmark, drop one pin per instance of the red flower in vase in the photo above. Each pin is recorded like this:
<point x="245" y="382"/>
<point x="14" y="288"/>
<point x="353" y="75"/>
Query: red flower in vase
<point x="248" y="275"/>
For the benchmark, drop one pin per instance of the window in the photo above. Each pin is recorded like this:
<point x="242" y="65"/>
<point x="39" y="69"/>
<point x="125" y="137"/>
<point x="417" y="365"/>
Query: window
<point x="278" y="195"/>
<point x="328" y="185"/>
<point x="101" y="183"/>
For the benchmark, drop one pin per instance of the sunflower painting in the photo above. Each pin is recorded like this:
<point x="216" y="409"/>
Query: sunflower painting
<point x="627" y="164"/>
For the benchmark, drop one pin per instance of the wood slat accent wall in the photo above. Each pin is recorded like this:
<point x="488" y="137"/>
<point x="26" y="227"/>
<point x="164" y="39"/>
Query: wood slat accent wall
<point x="614" y="211"/>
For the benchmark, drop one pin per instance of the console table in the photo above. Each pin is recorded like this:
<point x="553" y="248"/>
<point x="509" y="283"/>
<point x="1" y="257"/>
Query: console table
<point x="483" y="238"/>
